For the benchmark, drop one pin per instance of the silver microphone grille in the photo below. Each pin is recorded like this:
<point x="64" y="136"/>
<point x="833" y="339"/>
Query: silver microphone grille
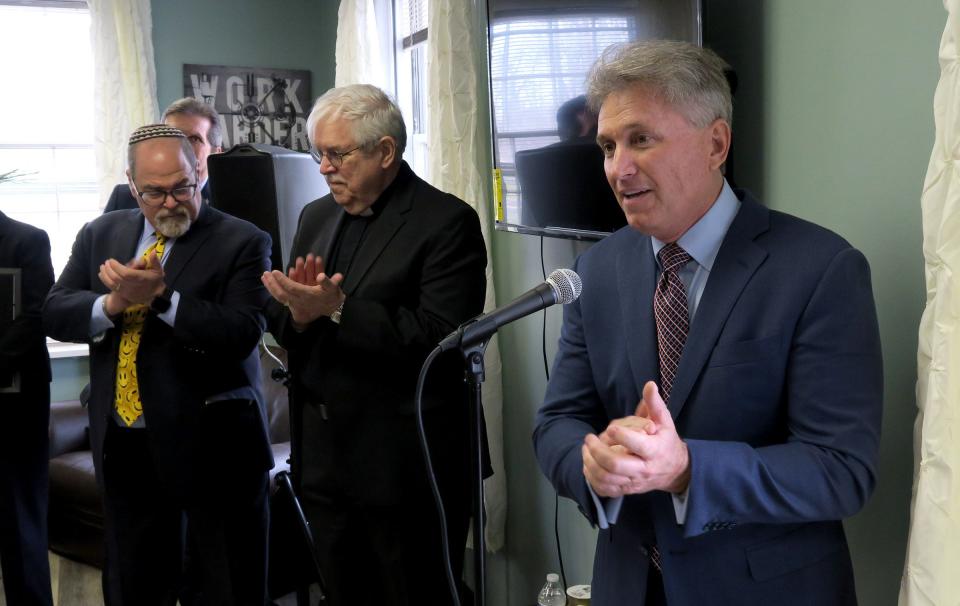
<point x="566" y="285"/>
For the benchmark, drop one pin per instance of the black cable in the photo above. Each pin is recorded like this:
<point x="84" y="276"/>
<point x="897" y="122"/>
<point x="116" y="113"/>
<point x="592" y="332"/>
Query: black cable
<point x="556" y="534"/>
<point x="434" y="488"/>
<point x="546" y="371"/>
<point x="543" y="330"/>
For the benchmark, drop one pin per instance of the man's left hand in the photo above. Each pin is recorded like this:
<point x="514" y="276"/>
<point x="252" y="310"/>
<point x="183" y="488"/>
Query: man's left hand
<point x="137" y="282"/>
<point x="307" y="291"/>
<point x="650" y="454"/>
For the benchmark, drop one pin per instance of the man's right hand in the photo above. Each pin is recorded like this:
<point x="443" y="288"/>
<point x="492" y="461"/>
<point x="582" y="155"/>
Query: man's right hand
<point x="609" y="466"/>
<point x="306" y="291"/>
<point x="639" y="453"/>
<point x="136" y="282"/>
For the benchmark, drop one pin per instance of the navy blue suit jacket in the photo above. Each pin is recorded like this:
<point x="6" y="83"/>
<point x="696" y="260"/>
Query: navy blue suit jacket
<point x="778" y="396"/>
<point x="210" y="350"/>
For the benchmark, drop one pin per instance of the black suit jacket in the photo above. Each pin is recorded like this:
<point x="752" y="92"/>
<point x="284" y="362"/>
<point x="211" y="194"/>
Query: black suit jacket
<point x="210" y="350"/>
<point x="418" y="274"/>
<point x="23" y="346"/>
<point x="122" y="199"/>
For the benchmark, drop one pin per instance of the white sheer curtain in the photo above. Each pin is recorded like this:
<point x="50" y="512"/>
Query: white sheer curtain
<point x="125" y="82"/>
<point x="454" y="132"/>
<point x="360" y="53"/>
<point x="933" y="550"/>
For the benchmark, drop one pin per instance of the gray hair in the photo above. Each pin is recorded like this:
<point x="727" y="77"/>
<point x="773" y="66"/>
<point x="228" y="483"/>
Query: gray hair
<point x="371" y="113"/>
<point x="160" y="131"/>
<point x="688" y="77"/>
<point x="194" y="107"/>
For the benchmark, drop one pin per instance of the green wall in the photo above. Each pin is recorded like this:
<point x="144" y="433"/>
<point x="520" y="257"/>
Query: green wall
<point x="291" y="34"/>
<point x="849" y="133"/>
<point x="69" y="377"/>
<point x="833" y="123"/>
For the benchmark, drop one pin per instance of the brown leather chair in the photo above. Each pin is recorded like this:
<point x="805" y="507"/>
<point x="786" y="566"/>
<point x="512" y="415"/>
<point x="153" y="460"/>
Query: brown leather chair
<point x="76" y="511"/>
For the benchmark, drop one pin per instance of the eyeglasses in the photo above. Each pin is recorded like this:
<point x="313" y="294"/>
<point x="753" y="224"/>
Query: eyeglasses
<point x="333" y="157"/>
<point x="156" y="197"/>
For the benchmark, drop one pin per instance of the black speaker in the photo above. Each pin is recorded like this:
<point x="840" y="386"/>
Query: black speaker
<point x="267" y="186"/>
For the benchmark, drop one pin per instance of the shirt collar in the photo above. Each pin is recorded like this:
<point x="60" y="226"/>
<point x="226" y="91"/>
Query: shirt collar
<point x="147" y="235"/>
<point x="702" y="241"/>
<point x="377" y="207"/>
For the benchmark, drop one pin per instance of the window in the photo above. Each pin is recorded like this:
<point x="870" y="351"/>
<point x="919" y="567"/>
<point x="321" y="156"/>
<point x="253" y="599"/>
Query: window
<point x="47" y="112"/>
<point x="411" y="70"/>
<point x="538" y="61"/>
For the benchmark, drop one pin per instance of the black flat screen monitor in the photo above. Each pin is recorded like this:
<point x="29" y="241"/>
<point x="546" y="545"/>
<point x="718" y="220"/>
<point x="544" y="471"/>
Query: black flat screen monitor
<point x="549" y="180"/>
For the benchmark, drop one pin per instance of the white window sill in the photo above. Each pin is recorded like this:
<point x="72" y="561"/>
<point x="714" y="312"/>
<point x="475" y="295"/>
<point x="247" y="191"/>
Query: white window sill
<point x="67" y="350"/>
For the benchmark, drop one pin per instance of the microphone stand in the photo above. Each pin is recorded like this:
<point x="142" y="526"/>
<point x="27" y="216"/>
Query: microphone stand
<point x="281" y="374"/>
<point x="475" y="375"/>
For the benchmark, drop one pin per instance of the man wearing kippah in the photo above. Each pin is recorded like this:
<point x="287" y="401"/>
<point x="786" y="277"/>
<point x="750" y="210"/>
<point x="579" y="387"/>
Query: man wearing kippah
<point x="168" y="296"/>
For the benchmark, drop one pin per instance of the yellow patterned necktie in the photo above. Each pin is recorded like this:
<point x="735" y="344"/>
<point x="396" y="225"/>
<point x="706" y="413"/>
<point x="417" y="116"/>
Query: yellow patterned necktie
<point x="127" y="399"/>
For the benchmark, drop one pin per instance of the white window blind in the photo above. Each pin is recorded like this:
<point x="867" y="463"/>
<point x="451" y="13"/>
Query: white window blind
<point x="411" y="65"/>
<point x="536" y="63"/>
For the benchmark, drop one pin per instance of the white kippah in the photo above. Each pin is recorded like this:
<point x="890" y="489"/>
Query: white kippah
<point x="154" y="131"/>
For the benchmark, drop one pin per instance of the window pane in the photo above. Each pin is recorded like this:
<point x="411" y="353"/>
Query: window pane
<point x="410" y="63"/>
<point x="48" y="75"/>
<point x="537" y="62"/>
<point x="48" y="134"/>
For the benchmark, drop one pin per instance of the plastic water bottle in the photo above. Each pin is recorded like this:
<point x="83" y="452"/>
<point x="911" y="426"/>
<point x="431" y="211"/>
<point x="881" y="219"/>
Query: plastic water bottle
<point x="552" y="593"/>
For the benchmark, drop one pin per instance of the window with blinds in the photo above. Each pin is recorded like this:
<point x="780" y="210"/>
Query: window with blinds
<point x="536" y="63"/>
<point x="411" y="65"/>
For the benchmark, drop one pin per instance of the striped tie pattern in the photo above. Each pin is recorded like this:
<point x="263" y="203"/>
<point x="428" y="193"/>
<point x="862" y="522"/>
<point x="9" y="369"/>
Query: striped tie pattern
<point x="670" y="311"/>
<point x="127" y="393"/>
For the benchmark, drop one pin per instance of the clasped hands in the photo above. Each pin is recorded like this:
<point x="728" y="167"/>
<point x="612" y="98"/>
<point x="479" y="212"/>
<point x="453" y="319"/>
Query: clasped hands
<point x="306" y="290"/>
<point x="638" y="453"/>
<point x="137" y="282"/>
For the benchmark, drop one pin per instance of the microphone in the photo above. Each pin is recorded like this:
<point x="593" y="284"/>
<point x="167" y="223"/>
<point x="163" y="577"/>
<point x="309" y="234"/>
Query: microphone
<point x="561" y="286"/>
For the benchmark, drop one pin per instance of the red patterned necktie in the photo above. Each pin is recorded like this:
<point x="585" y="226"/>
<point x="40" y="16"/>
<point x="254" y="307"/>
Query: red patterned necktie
<point x="670" y="310"/>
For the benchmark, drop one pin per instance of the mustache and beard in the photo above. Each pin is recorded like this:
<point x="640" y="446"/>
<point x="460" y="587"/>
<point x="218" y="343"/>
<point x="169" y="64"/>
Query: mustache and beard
<point x="172" y="223"/>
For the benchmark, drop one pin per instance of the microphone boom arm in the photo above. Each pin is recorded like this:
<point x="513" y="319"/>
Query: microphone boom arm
<point x="484" y="326"/>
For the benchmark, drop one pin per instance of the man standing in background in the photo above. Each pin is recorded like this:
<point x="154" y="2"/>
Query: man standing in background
<point x="24" y="416"/>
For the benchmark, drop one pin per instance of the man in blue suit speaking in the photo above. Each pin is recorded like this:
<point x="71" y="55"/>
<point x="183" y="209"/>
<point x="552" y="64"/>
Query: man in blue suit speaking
<point x="716" y="399"/>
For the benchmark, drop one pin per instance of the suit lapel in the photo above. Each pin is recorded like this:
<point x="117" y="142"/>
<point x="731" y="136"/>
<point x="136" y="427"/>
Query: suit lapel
<point x="738" y="259"/>
<point x="327" y="234"/>
<point x="187" y="245"/>
<point x="636" y="280"/>
<point x="382" y="230"/>
<point x="127" y="236"/>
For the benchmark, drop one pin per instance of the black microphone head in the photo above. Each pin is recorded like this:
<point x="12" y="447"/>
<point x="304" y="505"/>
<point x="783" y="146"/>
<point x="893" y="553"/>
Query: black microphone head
<point x="566" y="285"/>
